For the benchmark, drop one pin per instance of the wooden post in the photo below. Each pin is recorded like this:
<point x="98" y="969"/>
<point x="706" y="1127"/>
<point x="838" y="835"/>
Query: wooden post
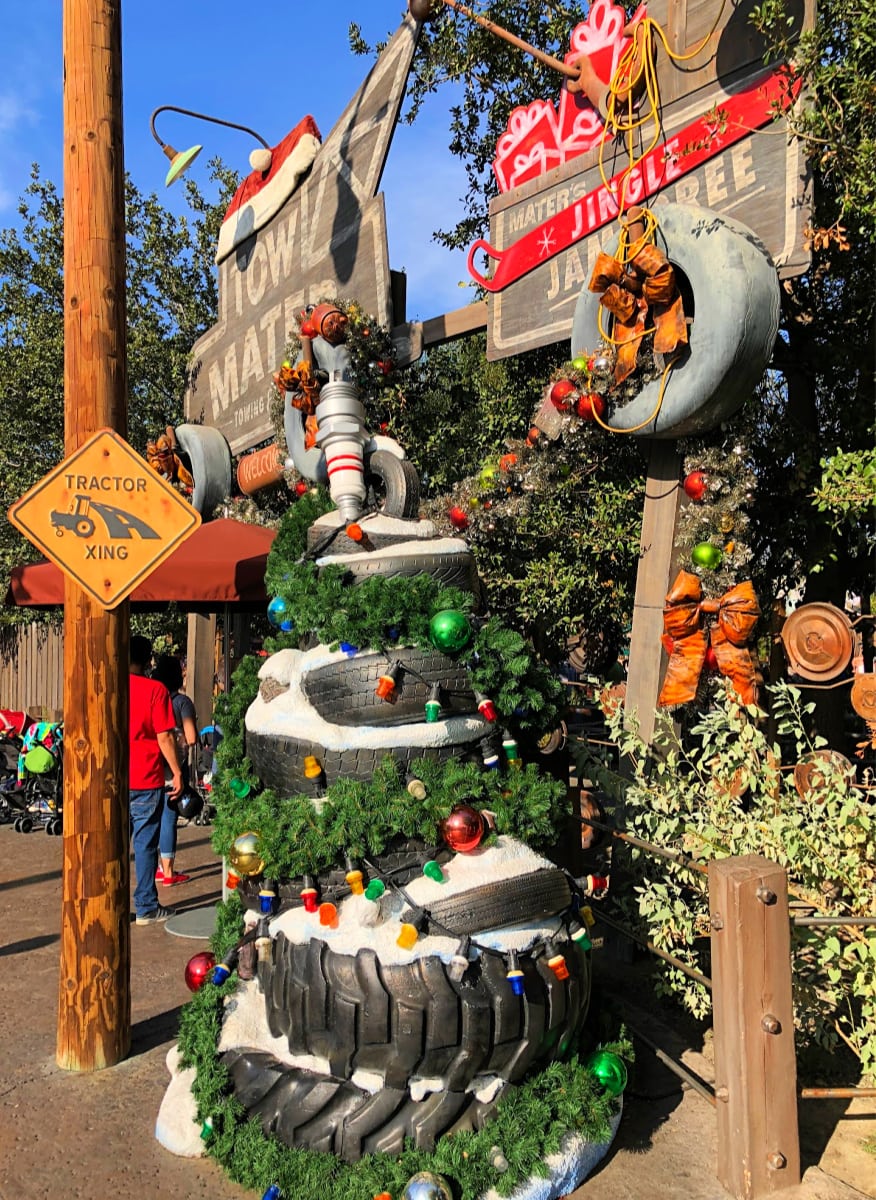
<point x="94" y="1011"/>
<point x="647" y="657"/>
<point x="201" y="665"/>
<point x="753" y="1016"/>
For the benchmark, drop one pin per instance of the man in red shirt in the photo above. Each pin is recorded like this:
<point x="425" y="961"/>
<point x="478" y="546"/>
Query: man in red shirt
<point x="152" y="743"/>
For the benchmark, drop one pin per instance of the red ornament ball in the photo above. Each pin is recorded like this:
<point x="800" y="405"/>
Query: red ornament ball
<point x="711" y="660"/>
<point x="198" y="969"/>
<point x="695" y="485"/>
<point x="458" y="517"/>
<point x="590" y="406"/>
<point x="307" y="327"/>
<point x="561" y="392"/>
<point x="464" y="829"/>
<point x="300" y="488"/>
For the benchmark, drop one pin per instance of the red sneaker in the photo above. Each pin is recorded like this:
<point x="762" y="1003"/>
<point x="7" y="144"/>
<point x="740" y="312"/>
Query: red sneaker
<point x="175" y="878"/>
<point x="159" y="876"/>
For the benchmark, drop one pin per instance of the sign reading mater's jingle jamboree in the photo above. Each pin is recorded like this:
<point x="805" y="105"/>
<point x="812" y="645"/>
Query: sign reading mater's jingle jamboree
<point x="312" y="227"/>
<point x="706" y="131"/>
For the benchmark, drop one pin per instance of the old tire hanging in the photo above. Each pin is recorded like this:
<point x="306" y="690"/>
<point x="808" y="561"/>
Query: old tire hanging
<point x="736" y="303"/>
<point x="210" y="463"/>
<point x="395" y="483"/>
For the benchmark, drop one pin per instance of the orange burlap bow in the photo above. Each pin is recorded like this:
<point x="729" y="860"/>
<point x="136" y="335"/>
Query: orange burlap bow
<point x="737" y="613"/>
<point x="630" y="292"/>
<point x="300" y="385"/>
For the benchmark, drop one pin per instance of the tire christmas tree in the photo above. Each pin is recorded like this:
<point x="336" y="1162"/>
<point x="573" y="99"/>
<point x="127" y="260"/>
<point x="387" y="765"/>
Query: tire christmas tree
<point x="410" y="957"/>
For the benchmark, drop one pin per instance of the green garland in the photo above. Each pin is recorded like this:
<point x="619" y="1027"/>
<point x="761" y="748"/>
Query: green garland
<point x="361" y="818"/>
<point x="374" y="614"/>
<point x="385" y="614"/>
<point x="291" y="540"/>
<point x="529" y="1124"/>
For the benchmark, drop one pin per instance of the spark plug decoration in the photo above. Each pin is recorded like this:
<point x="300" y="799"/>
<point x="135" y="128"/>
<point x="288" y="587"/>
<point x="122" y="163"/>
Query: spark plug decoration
<point x="341" y="435"/>
<point x="342" y="446"/>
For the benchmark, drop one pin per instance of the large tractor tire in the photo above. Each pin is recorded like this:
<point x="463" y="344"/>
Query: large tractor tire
<point x="732" y="282"/>
<point x="278" y="761"/>
<point x="403" y="1022"/>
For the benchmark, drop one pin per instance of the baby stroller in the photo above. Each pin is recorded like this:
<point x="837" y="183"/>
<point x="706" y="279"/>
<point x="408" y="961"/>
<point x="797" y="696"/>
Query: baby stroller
<point x="12" y="726"/>
<point x="40" y="776"/>
<point x="209" y="738"/>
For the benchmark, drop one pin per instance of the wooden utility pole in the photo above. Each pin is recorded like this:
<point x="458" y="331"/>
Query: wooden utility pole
<point x="659" y="518"/>
<point x="94" y="1012"/>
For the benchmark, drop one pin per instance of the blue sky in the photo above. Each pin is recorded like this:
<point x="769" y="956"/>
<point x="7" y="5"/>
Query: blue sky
<point x="292" y="59"/>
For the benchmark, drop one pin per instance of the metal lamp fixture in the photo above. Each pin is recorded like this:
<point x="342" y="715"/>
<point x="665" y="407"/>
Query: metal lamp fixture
<point x="181" y="160"/>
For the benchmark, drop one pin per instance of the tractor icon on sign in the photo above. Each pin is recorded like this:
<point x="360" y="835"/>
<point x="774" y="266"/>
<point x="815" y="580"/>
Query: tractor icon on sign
<point x="119" y="523"/>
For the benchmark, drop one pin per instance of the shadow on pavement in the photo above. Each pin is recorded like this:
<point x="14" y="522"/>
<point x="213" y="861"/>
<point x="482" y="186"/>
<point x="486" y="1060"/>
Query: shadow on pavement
<point x="26" y="944"/>
<point x="155" y="1031"/>
<point x="46" y="876"/>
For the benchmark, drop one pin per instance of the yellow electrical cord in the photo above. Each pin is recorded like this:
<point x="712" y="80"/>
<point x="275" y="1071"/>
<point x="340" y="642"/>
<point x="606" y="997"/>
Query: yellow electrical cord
<point x="627" y="76"/>
<point x="648" y="420"/>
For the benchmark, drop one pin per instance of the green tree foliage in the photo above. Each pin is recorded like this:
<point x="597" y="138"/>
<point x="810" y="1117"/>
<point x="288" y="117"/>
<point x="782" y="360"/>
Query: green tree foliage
<point x="171" y="300"/>
<point x="726" y="790"/>
<point x="562" y="552"/>
<point x="496" y="76"/>
<point x="836" y="62"/>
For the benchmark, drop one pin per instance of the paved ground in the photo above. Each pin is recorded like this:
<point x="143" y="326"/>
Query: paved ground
<point x="64" y="1136"/>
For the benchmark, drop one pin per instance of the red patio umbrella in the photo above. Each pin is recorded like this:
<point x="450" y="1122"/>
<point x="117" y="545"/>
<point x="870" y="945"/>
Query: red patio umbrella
<point x="222" y="562"/>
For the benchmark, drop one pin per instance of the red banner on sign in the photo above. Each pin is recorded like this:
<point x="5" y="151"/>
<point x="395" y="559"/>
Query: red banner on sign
<point x="731" y="121"/>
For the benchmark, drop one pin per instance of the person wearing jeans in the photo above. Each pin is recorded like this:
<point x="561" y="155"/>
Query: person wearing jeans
<point x="168" y="670"/>
<point x="151" y="744"/>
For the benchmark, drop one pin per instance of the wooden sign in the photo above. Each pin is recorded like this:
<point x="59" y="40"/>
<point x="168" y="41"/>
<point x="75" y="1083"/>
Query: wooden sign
<point x="719" y="147"/>
<point x="327" y="239"/>
<point x="105" y="518"/>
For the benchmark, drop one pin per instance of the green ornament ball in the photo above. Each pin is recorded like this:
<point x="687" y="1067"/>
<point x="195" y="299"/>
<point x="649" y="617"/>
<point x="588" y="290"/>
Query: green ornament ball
<point x="608" y="1069"/>
<point x="580" y="364"/>
<point x="704" y="554"/>
<point x="449" y="630"/>
<point x="427" y="1186"/>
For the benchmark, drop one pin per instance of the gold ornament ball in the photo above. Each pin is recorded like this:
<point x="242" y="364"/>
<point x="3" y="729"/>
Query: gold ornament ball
<point x="727" y="523"/>
<point x="245" y="854"/>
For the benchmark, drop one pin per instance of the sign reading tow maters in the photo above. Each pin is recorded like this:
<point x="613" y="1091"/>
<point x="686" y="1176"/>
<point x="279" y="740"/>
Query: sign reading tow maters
<point x="105" y="518"/>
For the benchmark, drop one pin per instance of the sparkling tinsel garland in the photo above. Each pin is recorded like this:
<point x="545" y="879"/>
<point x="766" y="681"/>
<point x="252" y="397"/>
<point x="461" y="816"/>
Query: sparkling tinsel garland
<point x="720" y="517"/>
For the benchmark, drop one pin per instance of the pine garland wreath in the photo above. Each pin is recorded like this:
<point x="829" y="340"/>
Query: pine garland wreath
<point x="363" y="818"/>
